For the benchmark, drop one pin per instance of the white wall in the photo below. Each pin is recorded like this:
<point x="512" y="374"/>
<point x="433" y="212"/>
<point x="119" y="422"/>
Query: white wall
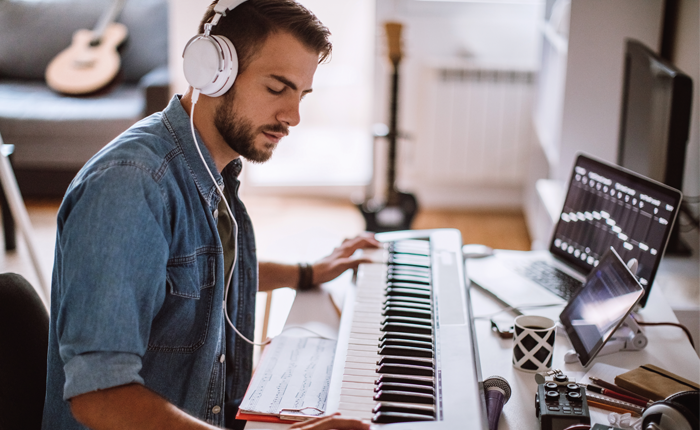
<point x="686" y="56"/>
<point x="453" y="34"/>
<point x="184" y="21"/>
<point x="593" y="92"/>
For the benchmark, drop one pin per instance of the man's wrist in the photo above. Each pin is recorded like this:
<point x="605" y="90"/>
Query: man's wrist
<point x="306" y="277"/>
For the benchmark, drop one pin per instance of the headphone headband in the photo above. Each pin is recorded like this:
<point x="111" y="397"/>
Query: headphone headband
<point x="225" y="5"/>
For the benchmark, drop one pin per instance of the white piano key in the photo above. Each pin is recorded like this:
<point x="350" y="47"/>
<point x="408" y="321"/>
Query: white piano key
<point x="366" y="394"/>
<point x="360" y="355"/>
<point x="366" y="342"/>
<point x="361" y="407"/>
<point x="365" y="336"/>
<point x="360" y="372"/>
<point x="359" y="401"/>
<point x="360" y="378"/>
<point x="358" y="385"/>
<point x="359" y="365"/>
<point x="368" y="348"/>
<point x="358" y="415"/>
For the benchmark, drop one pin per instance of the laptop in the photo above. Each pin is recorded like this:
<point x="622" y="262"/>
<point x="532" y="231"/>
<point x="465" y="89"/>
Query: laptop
<point x="605" y="205"/>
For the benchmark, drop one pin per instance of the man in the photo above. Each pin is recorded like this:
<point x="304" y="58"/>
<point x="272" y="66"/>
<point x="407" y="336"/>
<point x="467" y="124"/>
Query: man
<point x="138" y="335"/>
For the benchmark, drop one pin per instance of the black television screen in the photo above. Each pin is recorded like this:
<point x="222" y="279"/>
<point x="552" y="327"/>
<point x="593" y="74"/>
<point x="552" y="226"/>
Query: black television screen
<point x="655" y="120"/>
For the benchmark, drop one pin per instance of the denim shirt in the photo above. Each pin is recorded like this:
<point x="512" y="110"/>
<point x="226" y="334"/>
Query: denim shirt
<point x="138" y="279"/>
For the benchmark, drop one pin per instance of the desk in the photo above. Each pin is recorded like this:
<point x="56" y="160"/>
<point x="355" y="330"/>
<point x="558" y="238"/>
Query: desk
<point x="668" y="348"/>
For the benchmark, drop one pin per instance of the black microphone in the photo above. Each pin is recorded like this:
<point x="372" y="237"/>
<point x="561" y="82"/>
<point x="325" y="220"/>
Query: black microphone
<point x="497" y="393"/>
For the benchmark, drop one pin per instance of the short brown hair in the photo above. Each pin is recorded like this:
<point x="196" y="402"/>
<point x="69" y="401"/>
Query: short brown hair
<point x="250" y="24"/>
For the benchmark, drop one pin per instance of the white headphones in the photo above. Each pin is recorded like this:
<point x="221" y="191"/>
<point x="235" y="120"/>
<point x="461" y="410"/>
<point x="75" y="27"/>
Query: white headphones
<point x="210" y="62"/>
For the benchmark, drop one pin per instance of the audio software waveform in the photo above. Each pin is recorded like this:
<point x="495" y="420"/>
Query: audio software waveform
<point x="600" y="213"/>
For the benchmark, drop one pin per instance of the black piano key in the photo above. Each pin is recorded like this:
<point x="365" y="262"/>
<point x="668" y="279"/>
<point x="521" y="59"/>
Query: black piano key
<point x="406" y="328"/>
<point x="408" y="320"/>
<point x="399" y="386"/>
<point x="409" y="262"/>
<point x="407" y="336"/>
<point x="420" y="287"/>
<point x="407" y="312"/>
<point x="392" y="292"/>
<point x="409" y="302"/>
<point x="407" y="351"/>
<point x="418" y="248"/>
<point x="405" y="369"/>
<point x="398" y="417"/>
<point x="415" y="248"/>
<point x="404" y="396"/>
<point x="408" y="271"/>
<point x="408" y="279"/>
<point x="405" y="342"/>
<point x="398" y="359"/>
<point x="406" y="379"/>
<point x="405" y="250"/>
<point x="403" y="407"/>
<point x="402" y="259"/>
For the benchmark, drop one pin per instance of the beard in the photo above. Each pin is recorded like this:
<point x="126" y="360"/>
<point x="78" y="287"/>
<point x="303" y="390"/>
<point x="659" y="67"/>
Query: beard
<point x="239" y="133"/>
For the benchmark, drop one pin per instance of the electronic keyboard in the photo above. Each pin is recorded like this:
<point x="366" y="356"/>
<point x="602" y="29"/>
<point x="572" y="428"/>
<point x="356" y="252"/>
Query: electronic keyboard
<point x="406" y="354"/>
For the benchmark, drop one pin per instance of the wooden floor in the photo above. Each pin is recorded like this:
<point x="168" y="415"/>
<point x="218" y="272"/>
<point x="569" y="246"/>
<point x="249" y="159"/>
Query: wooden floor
<point x="297" y="229"/>
<point x="290" y="230"/>
<point x="501" y="230"/>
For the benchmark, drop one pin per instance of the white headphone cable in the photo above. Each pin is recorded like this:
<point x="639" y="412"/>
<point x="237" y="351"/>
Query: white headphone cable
<point x="195" y="97"/>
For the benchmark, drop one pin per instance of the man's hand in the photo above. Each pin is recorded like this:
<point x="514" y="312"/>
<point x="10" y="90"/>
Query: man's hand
<point x="331" y="422"/>
<point x="275" y="275"/>
<point x="341" y="259"/>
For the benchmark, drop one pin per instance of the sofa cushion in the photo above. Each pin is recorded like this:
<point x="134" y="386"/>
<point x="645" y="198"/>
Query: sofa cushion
<point x="50" y="130"/>
<point x="32" y="33"/>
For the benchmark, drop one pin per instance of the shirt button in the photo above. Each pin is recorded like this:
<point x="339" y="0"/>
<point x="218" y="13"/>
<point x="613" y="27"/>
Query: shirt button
<point x="216" y="409"/>
<point x="222" y="358"/>
<point x="216" y="213"/>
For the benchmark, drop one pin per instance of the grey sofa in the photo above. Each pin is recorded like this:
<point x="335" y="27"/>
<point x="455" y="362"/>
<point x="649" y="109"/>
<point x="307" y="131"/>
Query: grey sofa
<point x="55" y="135"/>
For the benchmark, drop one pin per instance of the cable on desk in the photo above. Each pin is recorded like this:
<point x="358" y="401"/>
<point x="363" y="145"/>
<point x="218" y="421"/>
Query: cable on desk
<point x="307" y="329"/>
<point x="685" y="329"/>
<point x="517" y="309"/>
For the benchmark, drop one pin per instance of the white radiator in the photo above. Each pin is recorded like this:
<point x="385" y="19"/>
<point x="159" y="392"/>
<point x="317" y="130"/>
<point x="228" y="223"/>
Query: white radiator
<point x="473" y="134"/>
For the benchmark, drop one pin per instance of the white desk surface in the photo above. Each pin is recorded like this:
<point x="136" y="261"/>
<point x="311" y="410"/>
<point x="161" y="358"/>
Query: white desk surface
<point x="668" y="348"/>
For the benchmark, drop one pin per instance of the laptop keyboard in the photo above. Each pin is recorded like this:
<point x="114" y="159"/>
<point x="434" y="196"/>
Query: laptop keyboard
<point x="551" y="278"/>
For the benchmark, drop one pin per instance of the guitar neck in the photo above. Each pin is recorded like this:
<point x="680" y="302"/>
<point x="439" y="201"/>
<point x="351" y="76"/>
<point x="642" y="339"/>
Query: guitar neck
<point x="393" y="31"/>
<point x="107" y="18"/>
<point x="393" y="137"/>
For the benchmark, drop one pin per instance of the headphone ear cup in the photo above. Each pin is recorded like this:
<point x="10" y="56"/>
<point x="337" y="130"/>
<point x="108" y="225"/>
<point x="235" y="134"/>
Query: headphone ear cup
<point x="227" y="77"/>
<point x="210" y="64"/>
<point x="688" y="402"/>
<point x="680" y="409"/>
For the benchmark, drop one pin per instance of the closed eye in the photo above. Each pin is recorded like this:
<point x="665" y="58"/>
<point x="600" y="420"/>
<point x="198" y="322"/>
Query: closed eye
<point x="275" y="92"/>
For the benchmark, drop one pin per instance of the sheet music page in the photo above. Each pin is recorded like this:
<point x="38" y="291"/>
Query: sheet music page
<point x="294" y="373"/>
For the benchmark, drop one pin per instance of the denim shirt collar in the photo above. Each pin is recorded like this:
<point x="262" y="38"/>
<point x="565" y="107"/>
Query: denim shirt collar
<point x="178" y="123"/>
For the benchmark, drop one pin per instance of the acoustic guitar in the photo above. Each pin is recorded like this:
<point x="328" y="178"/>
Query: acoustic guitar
<point x="91" y="62"/>
<point x="400" y="208"/>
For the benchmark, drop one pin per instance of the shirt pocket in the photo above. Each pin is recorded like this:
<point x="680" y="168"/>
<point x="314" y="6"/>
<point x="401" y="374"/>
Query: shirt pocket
<point x="182" y="323"/>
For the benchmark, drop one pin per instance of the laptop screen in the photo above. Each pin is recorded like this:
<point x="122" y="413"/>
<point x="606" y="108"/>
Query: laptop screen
<point x="608" y="206"/>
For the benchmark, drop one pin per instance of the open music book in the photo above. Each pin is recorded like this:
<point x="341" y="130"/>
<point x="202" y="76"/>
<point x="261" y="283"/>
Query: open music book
<point x="291" y="381"/>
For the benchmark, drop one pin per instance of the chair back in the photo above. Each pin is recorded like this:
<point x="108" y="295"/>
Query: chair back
<point x="24" y="338"/>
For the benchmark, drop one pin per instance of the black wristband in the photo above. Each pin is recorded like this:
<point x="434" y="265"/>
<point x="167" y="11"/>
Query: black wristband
<point x="306" y="277"/>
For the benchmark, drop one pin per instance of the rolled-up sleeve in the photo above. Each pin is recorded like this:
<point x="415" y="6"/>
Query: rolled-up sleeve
<point x="117" y="368"/>
<point x="111" y="269"/>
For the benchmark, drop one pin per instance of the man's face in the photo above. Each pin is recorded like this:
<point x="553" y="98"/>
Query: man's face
<point x="264" y="101"/>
